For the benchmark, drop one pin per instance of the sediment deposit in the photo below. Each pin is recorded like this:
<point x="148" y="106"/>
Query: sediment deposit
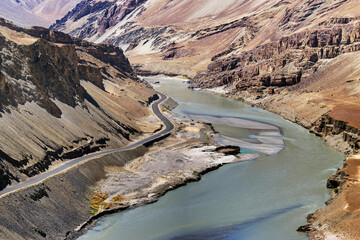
<point x="183" y="157"/>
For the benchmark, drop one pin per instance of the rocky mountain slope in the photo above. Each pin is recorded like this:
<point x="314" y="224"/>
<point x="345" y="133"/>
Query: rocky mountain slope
<point x="62" y="97"/>
<point x="35" y="12"/>
<point x="160" y="36"/>
<point x="310" y="77"/>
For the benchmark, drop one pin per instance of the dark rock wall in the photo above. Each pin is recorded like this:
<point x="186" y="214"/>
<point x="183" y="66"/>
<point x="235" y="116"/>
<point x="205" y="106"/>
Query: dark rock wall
<point x="109" y="14"/>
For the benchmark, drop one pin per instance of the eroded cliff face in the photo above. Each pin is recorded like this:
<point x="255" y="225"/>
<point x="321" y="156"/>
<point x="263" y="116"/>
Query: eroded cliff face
<point x="61" y="98"/>
<point x="106" y="14"/>
<point x="284" y="62"/>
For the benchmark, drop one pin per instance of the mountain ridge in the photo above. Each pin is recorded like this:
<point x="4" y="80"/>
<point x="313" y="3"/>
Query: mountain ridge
<point x="176" y="41"/>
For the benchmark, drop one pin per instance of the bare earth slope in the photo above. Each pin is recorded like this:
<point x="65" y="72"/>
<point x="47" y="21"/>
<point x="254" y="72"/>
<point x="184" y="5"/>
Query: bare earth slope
<point x="61" y="98"/>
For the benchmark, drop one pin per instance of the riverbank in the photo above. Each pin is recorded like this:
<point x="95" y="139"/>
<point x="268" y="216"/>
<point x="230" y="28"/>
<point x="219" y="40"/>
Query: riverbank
<point x="26" y="214"/>
<point x="337" y="220"/>
<point x="192" y="151"/>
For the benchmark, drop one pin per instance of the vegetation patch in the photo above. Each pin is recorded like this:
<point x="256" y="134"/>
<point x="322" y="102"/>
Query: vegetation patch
<point x="100" y="201"/>
<point x="97" y="202"/>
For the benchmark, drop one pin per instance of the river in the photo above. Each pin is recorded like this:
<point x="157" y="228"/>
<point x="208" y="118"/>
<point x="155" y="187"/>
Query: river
<point x="264" y="199"/>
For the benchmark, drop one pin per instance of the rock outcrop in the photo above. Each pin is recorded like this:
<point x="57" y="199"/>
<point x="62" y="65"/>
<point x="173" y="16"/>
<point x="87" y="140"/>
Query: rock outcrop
<point x="338" y="134"/>
<point x="228" y="150"/>
<point x="281" y="63"/>
<point x="110" y="14"/>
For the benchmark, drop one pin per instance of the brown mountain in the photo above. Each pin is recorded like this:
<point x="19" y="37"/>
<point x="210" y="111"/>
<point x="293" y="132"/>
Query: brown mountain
<point x="253" y="50"/>
<point x="182" y="37"/>
<point x="62" y="97"/>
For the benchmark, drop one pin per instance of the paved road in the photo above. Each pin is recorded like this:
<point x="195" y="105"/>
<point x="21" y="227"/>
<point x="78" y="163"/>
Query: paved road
<point x="155" y="107"/>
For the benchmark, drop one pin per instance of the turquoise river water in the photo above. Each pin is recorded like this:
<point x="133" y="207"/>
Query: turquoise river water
<point x="264" y="199"/>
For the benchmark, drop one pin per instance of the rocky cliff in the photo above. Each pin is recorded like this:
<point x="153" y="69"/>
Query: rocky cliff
<point x="61" y="98"/>
<point x="284" y="62"/>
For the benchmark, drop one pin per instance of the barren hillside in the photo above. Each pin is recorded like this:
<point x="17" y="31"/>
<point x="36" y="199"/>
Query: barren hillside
<point x="181" y="37"/>
<point x="61" y="98"/>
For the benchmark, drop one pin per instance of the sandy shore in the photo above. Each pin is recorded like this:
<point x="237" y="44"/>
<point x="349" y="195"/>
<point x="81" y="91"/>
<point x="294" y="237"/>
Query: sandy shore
<point x="268" y="139"/>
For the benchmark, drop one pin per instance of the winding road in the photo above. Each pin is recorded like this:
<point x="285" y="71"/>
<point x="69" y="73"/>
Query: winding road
<point x="37" y="179"/>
